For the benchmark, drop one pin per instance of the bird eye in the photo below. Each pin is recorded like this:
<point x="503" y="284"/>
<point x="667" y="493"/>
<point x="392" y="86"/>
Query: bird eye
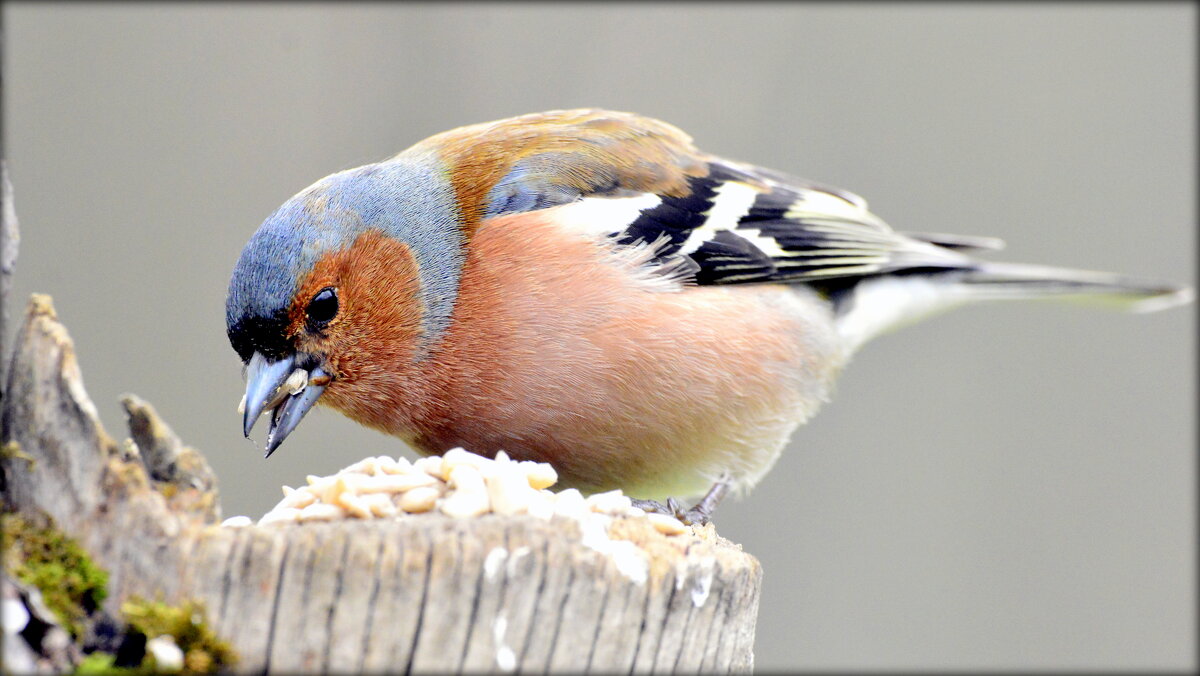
<point x="322" y="308"/>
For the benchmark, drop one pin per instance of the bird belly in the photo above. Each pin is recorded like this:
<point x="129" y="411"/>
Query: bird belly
<point x="577" y="360"/>
<point x="659" y="400"/>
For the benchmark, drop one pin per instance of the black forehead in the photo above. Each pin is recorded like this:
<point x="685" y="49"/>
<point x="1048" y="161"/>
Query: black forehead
<point x="258" y="333"/>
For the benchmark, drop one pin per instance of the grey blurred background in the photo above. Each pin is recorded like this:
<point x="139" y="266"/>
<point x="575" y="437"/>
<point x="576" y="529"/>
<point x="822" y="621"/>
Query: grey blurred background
<point x="1009" y="486"/>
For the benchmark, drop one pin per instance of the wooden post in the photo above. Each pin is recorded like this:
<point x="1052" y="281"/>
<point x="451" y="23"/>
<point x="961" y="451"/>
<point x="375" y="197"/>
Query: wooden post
<point x="421" y="593"/>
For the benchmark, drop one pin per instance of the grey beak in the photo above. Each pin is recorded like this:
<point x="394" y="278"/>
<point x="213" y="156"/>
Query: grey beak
<point x="283" y="388"/>
<point x="263" y="380"/>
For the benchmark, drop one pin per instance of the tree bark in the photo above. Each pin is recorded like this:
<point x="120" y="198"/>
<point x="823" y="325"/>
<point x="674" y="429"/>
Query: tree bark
<point x="10" y="236"/>
<point x="422" y="593"/>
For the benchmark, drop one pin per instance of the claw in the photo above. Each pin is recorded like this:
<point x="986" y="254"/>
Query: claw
<point x="699" y="514"/>
<point x="652" y="507"/>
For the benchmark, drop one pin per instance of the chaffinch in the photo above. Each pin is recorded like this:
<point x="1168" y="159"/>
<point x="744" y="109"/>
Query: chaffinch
<point x="586" y="288"/>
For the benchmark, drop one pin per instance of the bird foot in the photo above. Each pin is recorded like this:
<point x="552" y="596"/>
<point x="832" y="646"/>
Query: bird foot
<point x="699" y="514"/>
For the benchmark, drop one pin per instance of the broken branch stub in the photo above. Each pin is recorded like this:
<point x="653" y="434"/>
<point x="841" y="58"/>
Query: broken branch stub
<point x="10" y="236"/>
<point x="419" y="592"/>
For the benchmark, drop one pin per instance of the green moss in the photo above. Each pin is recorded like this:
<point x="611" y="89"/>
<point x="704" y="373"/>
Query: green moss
<point x="203" y="652"/>
<point x="72" y="585"/>
<point x="101" y="663"/>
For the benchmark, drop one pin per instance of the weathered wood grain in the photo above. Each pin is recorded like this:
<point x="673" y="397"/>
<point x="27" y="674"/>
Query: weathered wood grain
<point x="425" y="593"/>
<point x="10" y="237"/>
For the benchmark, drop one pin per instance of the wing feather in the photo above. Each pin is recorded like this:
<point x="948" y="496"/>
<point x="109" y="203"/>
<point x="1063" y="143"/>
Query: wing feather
<point x="721" y="221"/>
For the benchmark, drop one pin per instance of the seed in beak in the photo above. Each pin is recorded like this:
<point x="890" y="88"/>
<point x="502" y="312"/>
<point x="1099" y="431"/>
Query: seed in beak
<point x="296" y="382"/>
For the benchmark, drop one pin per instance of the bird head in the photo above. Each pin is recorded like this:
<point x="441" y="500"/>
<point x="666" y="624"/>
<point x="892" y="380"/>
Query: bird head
<point x="353" y="276"/>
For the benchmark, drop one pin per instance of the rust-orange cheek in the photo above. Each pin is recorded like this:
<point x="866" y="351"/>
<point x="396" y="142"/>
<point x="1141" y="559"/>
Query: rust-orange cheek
<point x="375" y="334"/>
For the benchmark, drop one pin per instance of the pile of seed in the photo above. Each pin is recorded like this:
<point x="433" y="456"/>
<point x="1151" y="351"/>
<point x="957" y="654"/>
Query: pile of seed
<point x="459" y="484"/>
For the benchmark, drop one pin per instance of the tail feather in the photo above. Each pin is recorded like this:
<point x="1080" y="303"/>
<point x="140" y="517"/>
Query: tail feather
<point x="1018" y="281"/>
<point x="1025" y="281"/>
<point x="880" y="304"/>
<point x="959" y="242"/>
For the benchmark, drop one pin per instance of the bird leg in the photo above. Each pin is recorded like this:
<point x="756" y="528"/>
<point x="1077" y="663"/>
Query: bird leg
<point x="699" y="514"/>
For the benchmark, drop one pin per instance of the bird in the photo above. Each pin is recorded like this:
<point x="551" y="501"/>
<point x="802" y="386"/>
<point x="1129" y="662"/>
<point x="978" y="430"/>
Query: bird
<point x="589" y="289"/>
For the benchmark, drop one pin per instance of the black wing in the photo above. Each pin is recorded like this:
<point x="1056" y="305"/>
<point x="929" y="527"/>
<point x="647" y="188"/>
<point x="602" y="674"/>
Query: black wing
<point x="740" y="223"/>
